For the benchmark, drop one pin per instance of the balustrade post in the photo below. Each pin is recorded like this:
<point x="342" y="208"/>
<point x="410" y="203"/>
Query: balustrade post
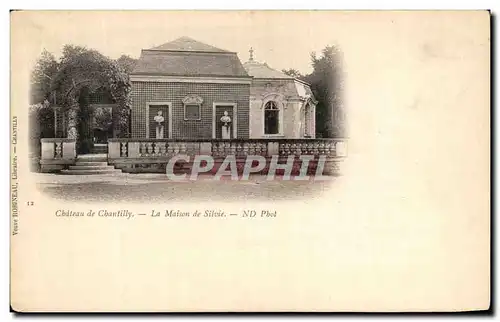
<point x="133" y="149"/>
<point x="273" y="148"/>
<point x="340" y="149"/>
<point x="69" y="150"/>
<point x="48" y="150"/>
<point x="206" y="148"/>
<point x="113" y="149"/>
<point x="56" y="154"/>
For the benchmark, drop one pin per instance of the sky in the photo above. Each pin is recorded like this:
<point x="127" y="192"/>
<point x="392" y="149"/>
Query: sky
<point x="282" y="39"/>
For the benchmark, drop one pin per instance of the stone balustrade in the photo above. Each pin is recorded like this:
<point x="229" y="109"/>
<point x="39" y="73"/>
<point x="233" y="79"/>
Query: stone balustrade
<point x="328" y="147"/>
<point x="151" y="155"/>
<point x="57" y="154"/>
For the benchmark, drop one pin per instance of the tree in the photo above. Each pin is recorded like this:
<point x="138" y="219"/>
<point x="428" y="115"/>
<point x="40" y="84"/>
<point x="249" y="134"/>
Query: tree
<point x="41" y="125"/>
<point x="327" y="85"/>
<point x="103" y="119"/>
<point x="41" y="76"/>
<point x="81" y="72"/>
<point x="293" y="72"/>
<point x="126" y="63"/>
<point x="41" y="114"/>
<point x="326" y="82"/>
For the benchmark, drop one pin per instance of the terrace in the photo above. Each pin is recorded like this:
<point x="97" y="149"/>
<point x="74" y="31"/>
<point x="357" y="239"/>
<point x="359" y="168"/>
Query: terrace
<point x="152" y="155"/>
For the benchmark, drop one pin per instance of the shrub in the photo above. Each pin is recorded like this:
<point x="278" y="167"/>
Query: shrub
<point x="41" y="124"/>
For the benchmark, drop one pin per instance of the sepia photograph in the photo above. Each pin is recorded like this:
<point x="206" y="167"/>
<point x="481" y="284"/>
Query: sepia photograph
<point x="250" y="161"/>
<point x="188" y="111"/>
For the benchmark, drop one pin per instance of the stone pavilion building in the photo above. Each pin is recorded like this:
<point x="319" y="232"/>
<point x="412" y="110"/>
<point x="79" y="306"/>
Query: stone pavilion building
<point x="203" y="92"/>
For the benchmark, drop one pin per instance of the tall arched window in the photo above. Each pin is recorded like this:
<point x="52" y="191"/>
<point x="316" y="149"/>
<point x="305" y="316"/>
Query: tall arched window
<point x="271" y="118"/>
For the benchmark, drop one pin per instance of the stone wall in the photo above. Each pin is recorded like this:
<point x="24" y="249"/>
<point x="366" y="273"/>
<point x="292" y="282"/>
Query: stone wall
<point x="174" y="92"/>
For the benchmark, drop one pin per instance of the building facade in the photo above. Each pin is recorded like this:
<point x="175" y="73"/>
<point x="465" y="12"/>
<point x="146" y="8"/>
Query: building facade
<point x="185" y="89"/>
<point x="280" y="105"/>
<point x="190" y="98"/>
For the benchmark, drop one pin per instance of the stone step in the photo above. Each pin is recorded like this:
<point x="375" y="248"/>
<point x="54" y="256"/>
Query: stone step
<point x="102" y="157"/>
<point x="94" y="159"/>
<point x="92" y="156"/>
<point x="100" y="160"/>
<point x="100" y="147"/>
<point x="91" y="163"/>
<point x="98" y="150"/>
<point x="91" y="172"/>
<point x="90" y="167"/>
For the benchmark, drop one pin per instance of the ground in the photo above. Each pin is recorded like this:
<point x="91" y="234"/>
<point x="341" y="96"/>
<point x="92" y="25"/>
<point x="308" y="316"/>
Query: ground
<point x="157" y="187"/>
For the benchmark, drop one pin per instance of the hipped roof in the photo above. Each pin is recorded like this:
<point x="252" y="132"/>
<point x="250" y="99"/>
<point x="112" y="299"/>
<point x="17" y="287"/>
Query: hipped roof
<point x="188" y="44"/>
<point x="188" y="57"/>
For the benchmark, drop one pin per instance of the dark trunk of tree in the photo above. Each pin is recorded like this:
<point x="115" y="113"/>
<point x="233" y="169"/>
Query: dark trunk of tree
<point x="85" y="131"/>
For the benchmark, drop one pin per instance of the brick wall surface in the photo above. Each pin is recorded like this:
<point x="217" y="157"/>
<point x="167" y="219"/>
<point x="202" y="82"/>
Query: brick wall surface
<point x="144" y="92"/>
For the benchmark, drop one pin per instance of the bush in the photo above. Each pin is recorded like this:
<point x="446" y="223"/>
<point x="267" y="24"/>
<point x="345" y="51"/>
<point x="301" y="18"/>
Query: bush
<point x="41" y="125"/>
<point x="85" y="145"/>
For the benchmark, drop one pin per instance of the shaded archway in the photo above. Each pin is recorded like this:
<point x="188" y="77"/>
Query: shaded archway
<point x="83" y="72"/>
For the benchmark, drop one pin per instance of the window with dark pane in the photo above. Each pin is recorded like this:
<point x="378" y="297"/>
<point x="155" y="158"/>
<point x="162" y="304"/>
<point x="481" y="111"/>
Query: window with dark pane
<point x="271" y="118"/>
<point x="192" y="112"/>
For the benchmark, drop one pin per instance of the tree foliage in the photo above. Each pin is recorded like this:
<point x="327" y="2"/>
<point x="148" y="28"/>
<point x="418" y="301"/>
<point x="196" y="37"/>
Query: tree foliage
<point x="126" y="63"/>
<point x="70" y="81"/>
<point x="327" y="87"/>
<point x="41" y="124"/>
<point x="41" y="76"/>
<point x="103" y="119"/>
<point x="293" y="73"/>
<point x="87" y="68"/>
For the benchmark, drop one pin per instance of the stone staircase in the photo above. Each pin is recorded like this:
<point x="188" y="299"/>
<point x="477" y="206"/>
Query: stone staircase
<point x="100" y="148"/>
<point x="89" y="164"/>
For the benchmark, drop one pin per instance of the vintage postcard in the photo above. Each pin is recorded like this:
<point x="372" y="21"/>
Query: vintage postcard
<point x="250" y="161"/>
